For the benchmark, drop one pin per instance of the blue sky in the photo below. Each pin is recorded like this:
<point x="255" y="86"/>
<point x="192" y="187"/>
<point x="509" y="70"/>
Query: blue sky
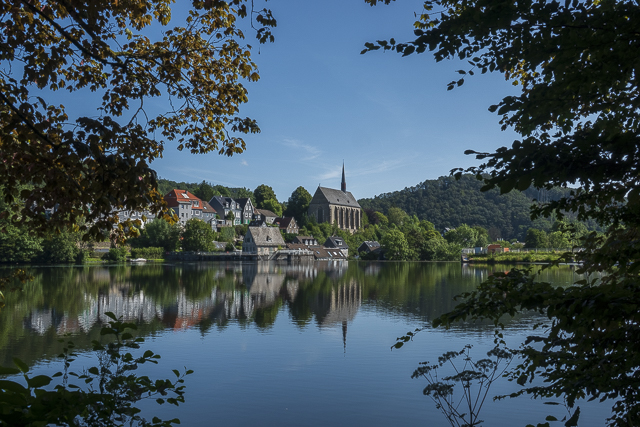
<point x="319" y="102"/>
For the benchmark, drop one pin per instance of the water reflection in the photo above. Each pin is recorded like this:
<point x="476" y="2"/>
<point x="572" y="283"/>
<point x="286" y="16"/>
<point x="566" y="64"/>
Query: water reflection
<point x="203" y="296"/>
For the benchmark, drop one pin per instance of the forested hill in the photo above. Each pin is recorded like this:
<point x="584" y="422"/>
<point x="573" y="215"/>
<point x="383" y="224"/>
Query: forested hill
<point x="447" y="202"/>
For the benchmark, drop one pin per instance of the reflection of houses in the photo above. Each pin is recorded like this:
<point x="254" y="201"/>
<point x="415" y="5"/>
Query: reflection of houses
<point x="264" y="283"/>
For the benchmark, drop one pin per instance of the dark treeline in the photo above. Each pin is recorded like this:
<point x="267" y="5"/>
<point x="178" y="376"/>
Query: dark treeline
<point x="448" y="203"/>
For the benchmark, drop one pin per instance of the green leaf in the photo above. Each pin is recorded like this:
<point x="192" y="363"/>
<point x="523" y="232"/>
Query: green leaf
<point x="38" y="381"/>
<point x="21" y="365"/>
<point x="12" y="386"/>
<point x="8" y="371"/>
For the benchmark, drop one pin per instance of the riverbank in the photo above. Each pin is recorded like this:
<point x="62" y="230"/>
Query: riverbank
<point x="513" y="258"/>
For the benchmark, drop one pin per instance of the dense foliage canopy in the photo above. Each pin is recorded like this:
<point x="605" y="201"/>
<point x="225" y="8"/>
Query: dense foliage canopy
<point x="116" y="58"/>
<point x="448" y="203"/>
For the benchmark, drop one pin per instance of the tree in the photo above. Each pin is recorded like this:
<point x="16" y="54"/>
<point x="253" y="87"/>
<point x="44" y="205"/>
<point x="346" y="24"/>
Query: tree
<point x="205" y="191"/>
<point x="298" y="204"/>
<point x="160" y="233"/>
<point x="483" y="237"/>
<point x="273" y="206"/>
<point x="559" y="240"/>
<point x="60" y="248"/>
<point x="395" y="245"/>
<point x="197" y="236"/>
<point x="381" y="219"/>
<point x="17" y="244"/>
<point x="463" y="235"/>
<point x="578" y="118"/>
<point x="536" y="239"/>
<point x="262" y="193"/>
<point x="397" y="216"/>
<point x="242" y="193"/>
<point x="91" y="166"/>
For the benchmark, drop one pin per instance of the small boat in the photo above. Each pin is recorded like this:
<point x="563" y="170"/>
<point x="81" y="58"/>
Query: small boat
<point x="138" y="260"/>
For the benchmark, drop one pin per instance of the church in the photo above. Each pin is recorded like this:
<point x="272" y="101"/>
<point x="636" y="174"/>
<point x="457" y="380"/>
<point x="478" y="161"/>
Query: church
<point x="336" y="207"/>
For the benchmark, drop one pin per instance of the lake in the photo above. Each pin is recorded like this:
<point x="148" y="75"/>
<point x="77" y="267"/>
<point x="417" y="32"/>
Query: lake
<point x="270" y="344"/>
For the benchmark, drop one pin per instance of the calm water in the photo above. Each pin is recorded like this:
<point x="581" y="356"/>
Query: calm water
<point x="305" y="345"/>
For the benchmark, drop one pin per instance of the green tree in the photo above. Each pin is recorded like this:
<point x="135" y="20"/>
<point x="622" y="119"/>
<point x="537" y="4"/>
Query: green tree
<point x="241" y="193"/>
<point x="381" y="219"/>
<point x="220" y="190"/>
<point x="273" y="206"/>
<point x="483" y="237"/>
<point x="397" y="216"/>
<point x="536" y="239"/>
<point x="198" y="236"/>
<point x="160" y="233"/>
<point x="463" y="235"/>
<point x="262" y="193"/>
<point x="205" y="191"/>
<point x="60" y="248"/>
<point x="97" y="162"/>
<point x="298" y="205"/>
<point x="578" y="119"/>
<point x="395" y="245"/>
<point x="18" y="245"/>
<point x="559" y="240"/>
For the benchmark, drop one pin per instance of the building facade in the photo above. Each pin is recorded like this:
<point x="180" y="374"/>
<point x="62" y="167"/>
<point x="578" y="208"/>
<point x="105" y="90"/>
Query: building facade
<point x="336" y="207"/>
<point x="185" y="205"/>
<point x="226" y="205"/>
<point x="262" y="241"/>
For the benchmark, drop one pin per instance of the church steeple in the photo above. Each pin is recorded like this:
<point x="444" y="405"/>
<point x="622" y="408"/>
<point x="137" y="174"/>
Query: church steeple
<point x="343" y="187"/>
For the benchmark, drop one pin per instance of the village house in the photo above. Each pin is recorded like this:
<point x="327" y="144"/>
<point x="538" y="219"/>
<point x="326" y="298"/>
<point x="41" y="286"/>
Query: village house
<point x="369" y="246"/>
<point x="209" y="214"/>
<point x="185" y="205"/>
<point x="263" y="241"/>
<point x="224" y="206"/>
<point x="287" y="224"/>
<point x="335" y="242"/>
<point x="144" y="217"/>
<point x="306" y="240"/>
<point x="264" y="215"/>
<point x="246" y="210"/>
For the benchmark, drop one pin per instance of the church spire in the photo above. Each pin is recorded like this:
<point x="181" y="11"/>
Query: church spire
<point x="344" y="181"/>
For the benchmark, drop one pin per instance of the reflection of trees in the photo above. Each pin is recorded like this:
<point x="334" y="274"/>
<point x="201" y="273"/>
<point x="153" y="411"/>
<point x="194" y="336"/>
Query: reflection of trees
<point x="156" y="297"/>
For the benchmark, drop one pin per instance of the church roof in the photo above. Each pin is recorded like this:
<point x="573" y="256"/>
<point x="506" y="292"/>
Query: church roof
<point x="334" y="197"/>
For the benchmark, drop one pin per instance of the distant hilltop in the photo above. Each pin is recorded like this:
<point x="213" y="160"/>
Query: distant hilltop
<point x="448" y="203"/>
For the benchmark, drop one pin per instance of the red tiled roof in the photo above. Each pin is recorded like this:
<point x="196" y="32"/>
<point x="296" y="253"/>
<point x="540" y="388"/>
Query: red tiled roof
<point x="177" y="196"/>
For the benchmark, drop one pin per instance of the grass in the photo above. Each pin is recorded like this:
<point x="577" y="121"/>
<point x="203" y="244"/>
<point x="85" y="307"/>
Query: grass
<point x="513" y="257"/>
